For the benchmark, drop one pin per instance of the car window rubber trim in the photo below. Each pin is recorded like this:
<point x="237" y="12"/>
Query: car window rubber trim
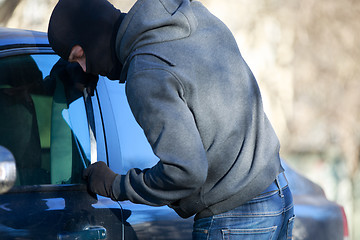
<point x="49" y="188"/>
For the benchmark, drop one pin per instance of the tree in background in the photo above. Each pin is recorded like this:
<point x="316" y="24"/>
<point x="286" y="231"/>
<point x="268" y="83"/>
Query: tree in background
<point x="7" y="8"/>
<point x="326" y="83"/>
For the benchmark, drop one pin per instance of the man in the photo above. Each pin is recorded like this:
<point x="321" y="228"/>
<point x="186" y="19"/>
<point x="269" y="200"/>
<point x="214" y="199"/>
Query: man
<point x="199" y="106"/>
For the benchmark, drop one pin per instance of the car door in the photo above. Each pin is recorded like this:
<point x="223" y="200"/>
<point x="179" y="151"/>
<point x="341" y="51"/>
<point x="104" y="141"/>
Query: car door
<point x="45" y="124"/>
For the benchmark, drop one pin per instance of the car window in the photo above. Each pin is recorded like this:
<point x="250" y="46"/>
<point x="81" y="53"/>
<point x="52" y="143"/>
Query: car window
<point x="136" y="151"/>
<point x="43" y="121"/>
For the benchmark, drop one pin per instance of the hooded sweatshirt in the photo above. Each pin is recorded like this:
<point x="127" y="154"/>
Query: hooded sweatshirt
<point x="200" y="108"/>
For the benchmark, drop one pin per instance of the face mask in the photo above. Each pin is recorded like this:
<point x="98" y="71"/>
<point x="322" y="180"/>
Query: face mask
<point x="91" y="24"/>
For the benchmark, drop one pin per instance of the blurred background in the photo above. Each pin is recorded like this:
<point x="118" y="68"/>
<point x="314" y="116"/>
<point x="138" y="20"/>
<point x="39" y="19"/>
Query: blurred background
<point x="305" y="56"/>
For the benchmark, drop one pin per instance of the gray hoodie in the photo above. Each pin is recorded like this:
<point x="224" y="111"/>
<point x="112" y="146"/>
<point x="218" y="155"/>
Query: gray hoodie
<point x="200" y="108"/>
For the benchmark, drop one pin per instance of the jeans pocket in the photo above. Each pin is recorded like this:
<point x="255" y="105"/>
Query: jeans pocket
<point x="290" y="226"/>
<point x="248" y="234"/>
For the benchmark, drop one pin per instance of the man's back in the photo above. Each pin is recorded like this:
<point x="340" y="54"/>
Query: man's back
<point x="198" y="103"/>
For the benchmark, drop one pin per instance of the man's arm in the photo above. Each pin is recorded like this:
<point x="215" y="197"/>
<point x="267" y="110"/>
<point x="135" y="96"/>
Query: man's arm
<point x="157" y="101"/>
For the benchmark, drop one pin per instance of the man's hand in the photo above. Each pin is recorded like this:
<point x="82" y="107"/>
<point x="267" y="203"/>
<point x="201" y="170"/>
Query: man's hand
<point x="82" y="79"/>
<point x="100" y="179"/>
<point x="73" y="72"/>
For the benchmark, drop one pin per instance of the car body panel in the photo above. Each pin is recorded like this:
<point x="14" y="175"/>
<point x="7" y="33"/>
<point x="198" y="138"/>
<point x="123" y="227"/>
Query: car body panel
<point x="18" y="41"/>
<point x="157" y="222"/>
<point x="50" y="212"/>
<point x="316" y="216"/>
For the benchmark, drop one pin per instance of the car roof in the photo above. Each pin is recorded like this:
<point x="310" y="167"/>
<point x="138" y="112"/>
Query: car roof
<point x="19" y="41"/>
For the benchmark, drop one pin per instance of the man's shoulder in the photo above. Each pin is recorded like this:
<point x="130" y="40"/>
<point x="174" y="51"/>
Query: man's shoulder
<point x="149" y="61"/>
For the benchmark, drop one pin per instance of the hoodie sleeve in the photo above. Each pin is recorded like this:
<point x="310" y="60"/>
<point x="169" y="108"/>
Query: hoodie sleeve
<point x="156" y="98"/>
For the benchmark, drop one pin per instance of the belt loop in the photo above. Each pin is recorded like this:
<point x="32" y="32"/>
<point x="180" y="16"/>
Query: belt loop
<point x="279" y="186"/>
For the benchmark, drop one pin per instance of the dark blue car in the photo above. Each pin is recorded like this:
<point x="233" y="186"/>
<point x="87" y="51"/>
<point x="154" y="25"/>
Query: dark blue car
<point x="54" y="130"/>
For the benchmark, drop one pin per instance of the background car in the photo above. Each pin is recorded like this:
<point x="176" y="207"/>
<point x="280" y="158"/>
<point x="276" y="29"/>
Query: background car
<point x="54" y="130"/>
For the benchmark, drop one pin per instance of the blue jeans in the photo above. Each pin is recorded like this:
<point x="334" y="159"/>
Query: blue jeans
<point x="268" y="216"/>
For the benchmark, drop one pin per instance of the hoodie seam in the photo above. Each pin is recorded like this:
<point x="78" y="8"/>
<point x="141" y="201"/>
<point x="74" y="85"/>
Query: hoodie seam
<point x="162" y="3"/>
<point x="127" y="20"/>
<point x="188" y="22"/>
<point x="133" y="13"/>
<point x="169" y="72"/>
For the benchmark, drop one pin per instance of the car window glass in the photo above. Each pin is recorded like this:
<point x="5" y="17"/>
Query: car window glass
<point x="136" y="151"/>
<point x="42" y="121"/>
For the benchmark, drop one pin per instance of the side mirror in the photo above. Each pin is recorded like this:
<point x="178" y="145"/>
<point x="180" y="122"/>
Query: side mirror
<point x="7" y="170"/>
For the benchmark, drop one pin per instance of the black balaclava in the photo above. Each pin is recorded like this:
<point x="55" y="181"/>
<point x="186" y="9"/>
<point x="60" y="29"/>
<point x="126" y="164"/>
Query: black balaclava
<point x="93" y="25"/>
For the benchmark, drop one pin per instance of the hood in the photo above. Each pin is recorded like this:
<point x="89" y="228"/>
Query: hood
<point x="92" y="24"/>
<point x="154" y="21"/>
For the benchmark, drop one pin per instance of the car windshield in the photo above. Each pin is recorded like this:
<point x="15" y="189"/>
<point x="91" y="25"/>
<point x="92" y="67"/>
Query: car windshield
<point x="43" y="121"/>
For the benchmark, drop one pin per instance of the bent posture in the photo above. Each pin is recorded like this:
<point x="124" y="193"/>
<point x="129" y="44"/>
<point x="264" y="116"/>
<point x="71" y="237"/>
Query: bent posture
<point x="199" y="106"/>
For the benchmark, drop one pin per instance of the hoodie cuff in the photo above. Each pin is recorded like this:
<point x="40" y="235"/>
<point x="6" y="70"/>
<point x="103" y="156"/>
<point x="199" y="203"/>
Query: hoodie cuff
<point x="118" y="190"/>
